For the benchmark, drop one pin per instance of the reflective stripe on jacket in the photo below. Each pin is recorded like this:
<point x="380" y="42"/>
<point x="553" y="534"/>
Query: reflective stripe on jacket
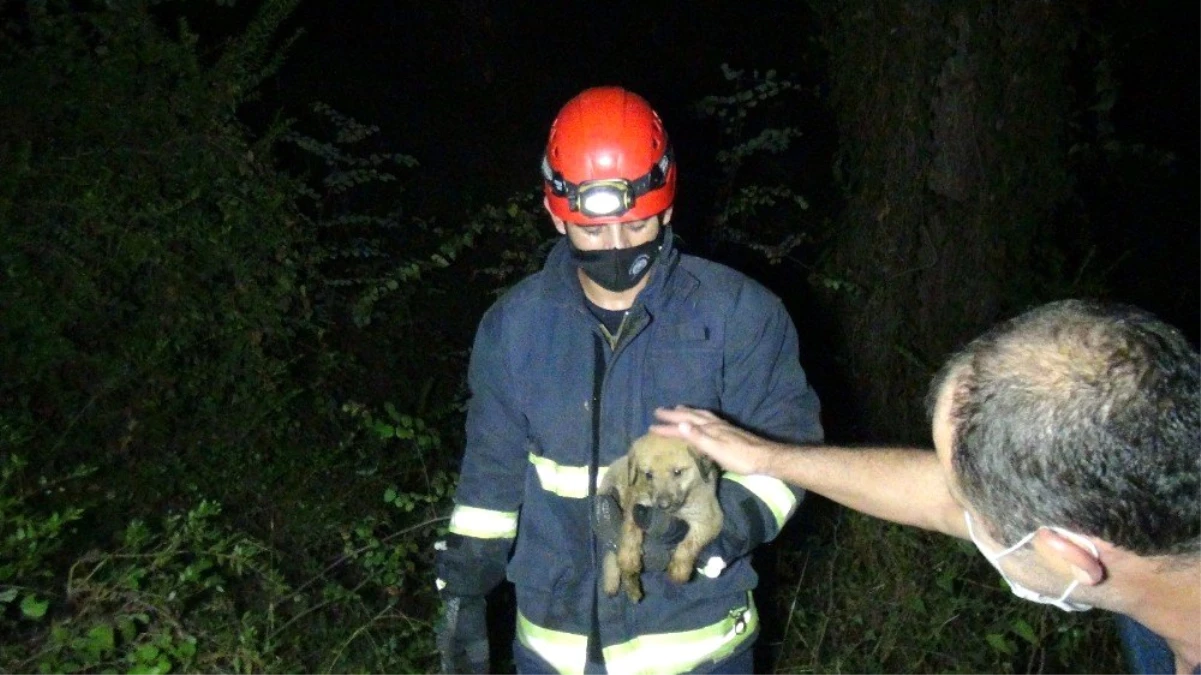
<point x="700" y="334"/>
<point x="666" y="653"/>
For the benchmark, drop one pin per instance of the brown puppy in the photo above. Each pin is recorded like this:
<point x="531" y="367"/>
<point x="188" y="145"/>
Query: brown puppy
<point x="664" y="473"/>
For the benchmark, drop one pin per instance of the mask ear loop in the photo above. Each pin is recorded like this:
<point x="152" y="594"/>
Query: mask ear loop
<point x="967" y="518"/>
<point x="1067" y="534"/>
<point x="1068" y="591"/>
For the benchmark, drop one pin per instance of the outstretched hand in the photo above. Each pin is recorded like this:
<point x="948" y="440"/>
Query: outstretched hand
<point x="734" y="449"/>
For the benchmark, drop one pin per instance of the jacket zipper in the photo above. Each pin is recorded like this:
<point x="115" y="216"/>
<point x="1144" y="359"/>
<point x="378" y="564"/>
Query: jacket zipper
<point x="595" y="655"/>
<point x="600" y="370"/>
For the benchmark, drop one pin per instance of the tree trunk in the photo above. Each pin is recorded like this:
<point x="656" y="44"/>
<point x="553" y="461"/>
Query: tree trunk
<point x="953" y="119"/>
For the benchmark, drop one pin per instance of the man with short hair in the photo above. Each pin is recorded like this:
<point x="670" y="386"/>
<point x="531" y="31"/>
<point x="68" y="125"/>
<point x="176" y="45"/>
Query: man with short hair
<point x="566" y="372"/>
<point x="1067" y="447"/>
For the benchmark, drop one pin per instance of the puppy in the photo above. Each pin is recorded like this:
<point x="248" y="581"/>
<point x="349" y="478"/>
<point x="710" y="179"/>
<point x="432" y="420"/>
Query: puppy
<point x="669" y="474"/>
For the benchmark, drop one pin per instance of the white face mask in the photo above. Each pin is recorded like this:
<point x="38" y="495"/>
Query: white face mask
<point x="1021" y="591"/>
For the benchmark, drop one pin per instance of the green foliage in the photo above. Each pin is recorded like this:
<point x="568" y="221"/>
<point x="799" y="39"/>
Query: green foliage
<point x="163" y="600"/>
<point x="32" y="538"/>
<point x="390" y="553"/>
<point x="168" y="300"/>
<point x="869" y="596"/>
<point x="522" y="235"/>
<point x="366" y="253"/>
<point x="190" y="594"/>
<point x="150" y="245"/>
<point x="757" y="205"/>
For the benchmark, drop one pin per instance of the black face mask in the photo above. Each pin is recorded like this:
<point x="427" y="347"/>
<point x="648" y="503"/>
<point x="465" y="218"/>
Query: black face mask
<point x="619" y="269"/>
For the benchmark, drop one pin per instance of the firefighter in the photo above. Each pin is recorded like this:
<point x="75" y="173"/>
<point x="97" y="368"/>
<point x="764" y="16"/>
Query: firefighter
<point x="566" y="370"/>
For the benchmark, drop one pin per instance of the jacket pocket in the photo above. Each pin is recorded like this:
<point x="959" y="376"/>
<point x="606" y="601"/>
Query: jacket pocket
<point x="684" y="367"/>
<point x="550" y="566"/>
<point x="554" y="597"/>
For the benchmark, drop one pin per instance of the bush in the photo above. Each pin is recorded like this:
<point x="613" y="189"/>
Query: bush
<point x="153" y="289"/>
<point x="167" y="301"/>
<point x="190" y="594"/>
<point x="758" y="204"/>
<point x="866" y="596"/>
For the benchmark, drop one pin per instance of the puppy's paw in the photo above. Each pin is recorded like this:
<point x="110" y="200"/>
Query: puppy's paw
<point x="612" y="575"/>
<point x="629" y="559"/>
<point x="680" y="569"/>
<point x="633" y="587"/>
<point x="612" y="586"/>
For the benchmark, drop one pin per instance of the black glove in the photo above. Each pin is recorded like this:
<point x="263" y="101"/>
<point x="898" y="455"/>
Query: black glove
<point x="663" y="533"/>
<point x="606" y="521"/>
<point x="463" y="635"/>
<point x="663" y="530"/>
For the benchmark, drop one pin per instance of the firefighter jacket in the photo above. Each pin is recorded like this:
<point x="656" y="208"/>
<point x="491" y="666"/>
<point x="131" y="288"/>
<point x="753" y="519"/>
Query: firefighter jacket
<point x="555" y="398"/>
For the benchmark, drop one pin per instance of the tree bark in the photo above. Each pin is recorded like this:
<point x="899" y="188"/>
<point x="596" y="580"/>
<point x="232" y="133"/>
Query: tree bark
<point x="953" y="119"/>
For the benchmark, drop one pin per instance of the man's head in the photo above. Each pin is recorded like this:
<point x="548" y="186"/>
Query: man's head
<point x="1079" y="416"/>
<point x="609" y="180"/>
<point x="608" y="160"/>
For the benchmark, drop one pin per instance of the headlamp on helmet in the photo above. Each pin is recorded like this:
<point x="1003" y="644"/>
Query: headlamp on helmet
<point x="606" y="197"/>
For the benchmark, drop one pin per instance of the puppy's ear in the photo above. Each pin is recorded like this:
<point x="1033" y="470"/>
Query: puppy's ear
<point x="633" y="460"/>
<point x="704" y="466"/>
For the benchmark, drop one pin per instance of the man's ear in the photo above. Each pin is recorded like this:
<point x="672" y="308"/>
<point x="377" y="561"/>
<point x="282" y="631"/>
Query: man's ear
<point x="666" y="217"/>
<point x="559" y="224"/>
<point x="1070" y="551"/>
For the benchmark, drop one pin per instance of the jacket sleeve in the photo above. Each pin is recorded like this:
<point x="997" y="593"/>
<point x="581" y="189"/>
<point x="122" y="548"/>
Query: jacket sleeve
<point x="483" y="524"/>
<point x="765" y="391"/>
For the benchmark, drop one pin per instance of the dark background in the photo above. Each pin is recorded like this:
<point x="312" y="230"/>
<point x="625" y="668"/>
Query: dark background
<point x="183" y="317"/>
<point x="470" y="87"/>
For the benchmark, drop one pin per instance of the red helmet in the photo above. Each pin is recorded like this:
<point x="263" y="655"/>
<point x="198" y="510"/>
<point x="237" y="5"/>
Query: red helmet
<point x="608" y="160"/>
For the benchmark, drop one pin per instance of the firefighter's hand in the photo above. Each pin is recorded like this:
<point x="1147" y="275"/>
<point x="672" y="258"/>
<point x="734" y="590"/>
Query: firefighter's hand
<point x="463" y="635"/>
<point x="663" y="530"/>
<point x="663" y="533"/>
<point x="606" y="521"/>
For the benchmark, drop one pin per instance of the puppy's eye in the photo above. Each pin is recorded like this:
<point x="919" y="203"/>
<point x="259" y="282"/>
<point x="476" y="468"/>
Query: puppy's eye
<point x="677" y="472"/>
<point x="650" y="475"/>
